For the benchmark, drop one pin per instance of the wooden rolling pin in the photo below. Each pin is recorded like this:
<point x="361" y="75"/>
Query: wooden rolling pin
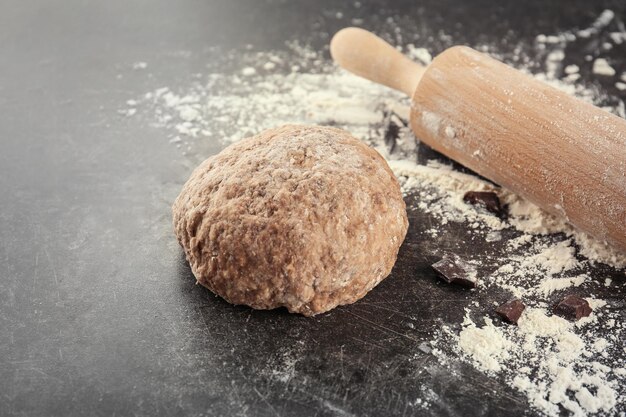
<point x="563" y="154"/>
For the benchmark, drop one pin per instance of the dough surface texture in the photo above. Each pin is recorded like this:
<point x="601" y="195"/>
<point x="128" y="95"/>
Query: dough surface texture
<point x="302" y="217"/>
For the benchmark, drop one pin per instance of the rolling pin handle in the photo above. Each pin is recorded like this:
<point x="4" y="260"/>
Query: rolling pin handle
<point x="366" y="55"/>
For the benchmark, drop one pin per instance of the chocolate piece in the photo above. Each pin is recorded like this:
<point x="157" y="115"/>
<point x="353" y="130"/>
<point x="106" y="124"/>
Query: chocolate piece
<point x="511" y="310"/>
<point x="454" y="270"/>
<point x="573" y="307"/>
<point x="488" y="199"/>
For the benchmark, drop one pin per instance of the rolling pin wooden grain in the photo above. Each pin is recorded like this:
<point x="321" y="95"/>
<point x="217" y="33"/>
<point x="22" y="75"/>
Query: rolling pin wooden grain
<point x="561" y="153"/>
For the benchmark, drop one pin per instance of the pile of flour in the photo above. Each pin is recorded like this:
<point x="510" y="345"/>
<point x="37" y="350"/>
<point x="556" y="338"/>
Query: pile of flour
<point x="557" y="364"/>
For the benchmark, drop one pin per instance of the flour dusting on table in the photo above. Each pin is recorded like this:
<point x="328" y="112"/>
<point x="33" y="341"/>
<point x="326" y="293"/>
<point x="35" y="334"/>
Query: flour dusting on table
<point x="559" y="365"/>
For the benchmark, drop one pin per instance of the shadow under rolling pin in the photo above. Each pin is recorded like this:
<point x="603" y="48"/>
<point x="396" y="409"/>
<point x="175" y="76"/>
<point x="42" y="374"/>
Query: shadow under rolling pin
<point x="565" y="155"/>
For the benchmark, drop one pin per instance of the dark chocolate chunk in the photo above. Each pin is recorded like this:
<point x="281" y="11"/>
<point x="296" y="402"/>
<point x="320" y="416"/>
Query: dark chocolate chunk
<point x="454" y="270"/>
<point x="511" y="310"/>
<point x="573" y="307"/>
<point x="488" y="199"/>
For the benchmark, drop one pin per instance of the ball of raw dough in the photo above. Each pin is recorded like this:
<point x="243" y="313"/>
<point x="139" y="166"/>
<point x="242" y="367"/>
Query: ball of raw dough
<point x="301" y="217"/>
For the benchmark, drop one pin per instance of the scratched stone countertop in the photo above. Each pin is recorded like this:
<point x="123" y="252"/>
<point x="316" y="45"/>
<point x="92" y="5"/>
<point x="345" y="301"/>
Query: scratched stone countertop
<point x="99" y="312"/>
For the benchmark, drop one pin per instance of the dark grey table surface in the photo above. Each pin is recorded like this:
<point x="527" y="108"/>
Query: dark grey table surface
<point x="99" y="312"/>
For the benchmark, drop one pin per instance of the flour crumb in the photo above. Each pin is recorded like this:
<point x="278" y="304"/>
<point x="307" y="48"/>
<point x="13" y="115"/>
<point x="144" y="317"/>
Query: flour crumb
<point x="140" y="65"/>
<point x="602" y="67"/>
<point x="420" y="54"/>
<point x="248" y="71"/>
<point x="551" y="285"/>
<point x="128" y="112"/>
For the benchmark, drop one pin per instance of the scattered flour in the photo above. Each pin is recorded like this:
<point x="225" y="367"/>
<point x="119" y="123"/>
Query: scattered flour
<point x="441" y="191"/>
<point x="229" y="107"/>
<point x="560" y="366"/>
<point x="550" y="285"/>
<point x="546" y="358"/>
